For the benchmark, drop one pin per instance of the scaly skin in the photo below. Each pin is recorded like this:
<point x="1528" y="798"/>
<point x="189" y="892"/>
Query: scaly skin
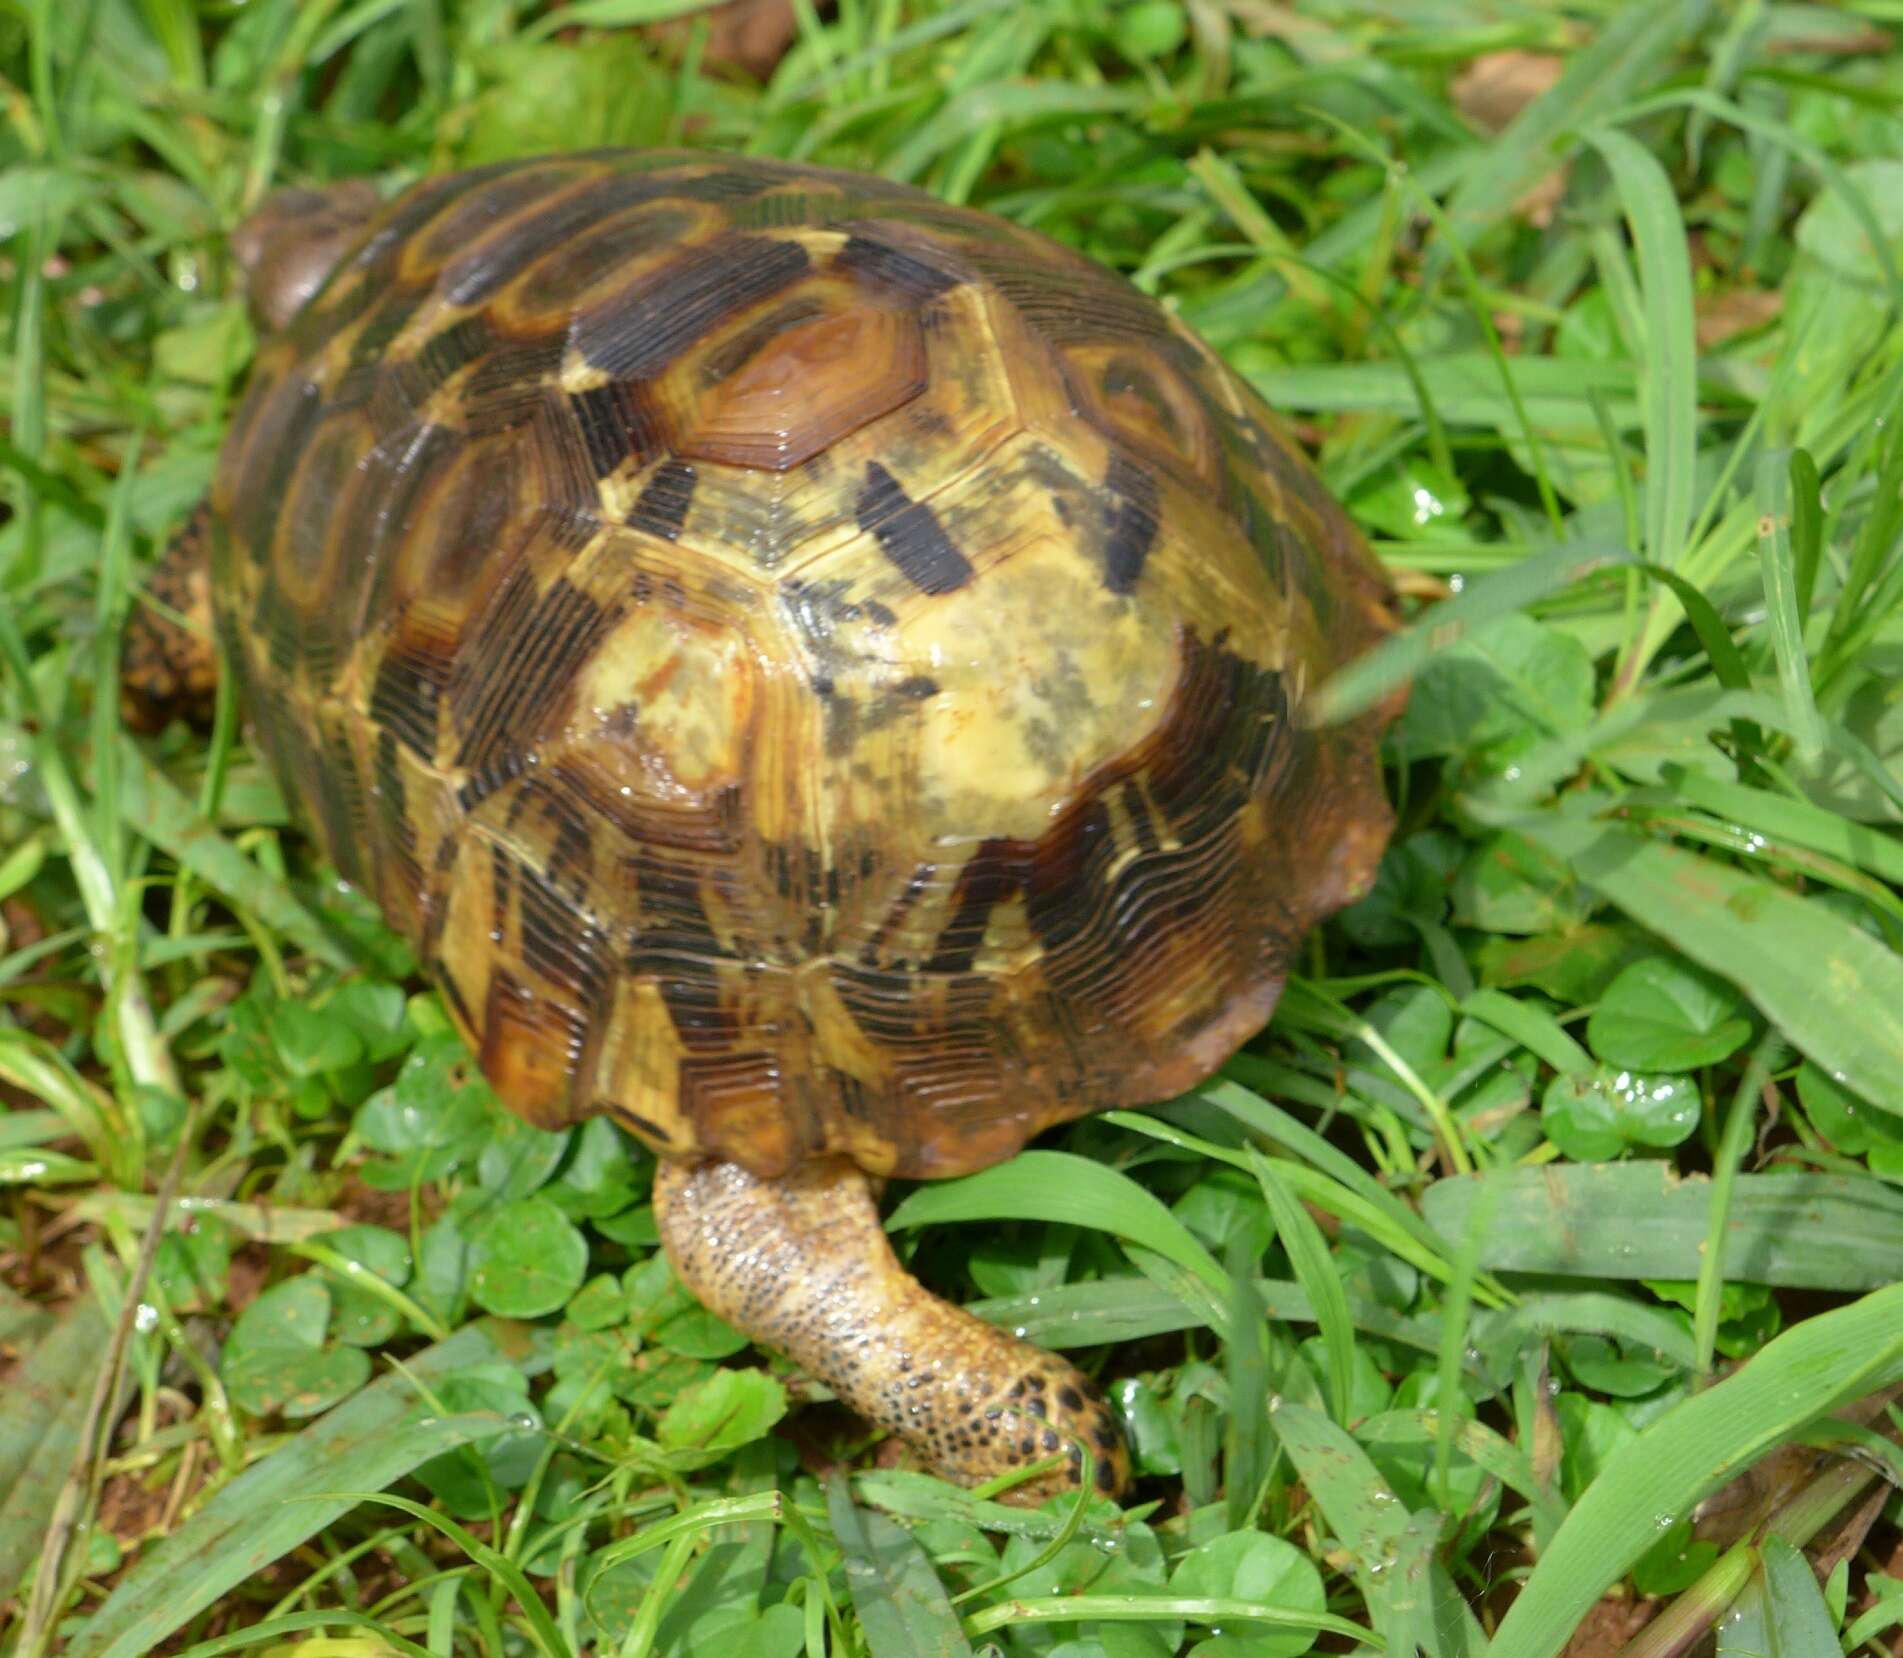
<point x="802" y="1265"/>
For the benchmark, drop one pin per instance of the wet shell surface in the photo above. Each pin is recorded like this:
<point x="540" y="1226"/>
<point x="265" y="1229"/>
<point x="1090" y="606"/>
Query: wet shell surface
<point x="812" y="669"/>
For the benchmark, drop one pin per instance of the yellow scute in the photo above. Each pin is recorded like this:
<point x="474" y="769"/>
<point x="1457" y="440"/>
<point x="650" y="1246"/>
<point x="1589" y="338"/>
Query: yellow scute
<point x="1043" y="675"/>
<point x="691" y="686"/>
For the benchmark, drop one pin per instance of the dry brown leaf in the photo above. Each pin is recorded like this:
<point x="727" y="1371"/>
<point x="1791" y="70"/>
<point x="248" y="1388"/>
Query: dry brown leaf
<point x="745" y="34"/>
<point x="1721" y="317"/>
<point x="1611" y="1623"/>
<point x="1496" y="86"/>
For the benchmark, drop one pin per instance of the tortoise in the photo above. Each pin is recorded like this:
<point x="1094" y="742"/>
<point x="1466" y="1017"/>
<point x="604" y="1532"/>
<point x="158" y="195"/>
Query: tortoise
<point x="819" y="675"/>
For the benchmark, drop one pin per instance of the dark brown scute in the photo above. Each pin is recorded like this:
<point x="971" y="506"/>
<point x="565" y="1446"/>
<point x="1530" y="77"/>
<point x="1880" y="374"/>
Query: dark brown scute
<point x="662" y="506"/>
<point x="910" y="535"/>
<point x="1131" y="530"/>
<point x="882" y="269"/>
<point x="634" y="337"/>
<point x="519" y="664"/>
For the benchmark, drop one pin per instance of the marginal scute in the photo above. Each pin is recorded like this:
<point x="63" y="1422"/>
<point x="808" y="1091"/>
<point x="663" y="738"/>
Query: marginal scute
<point x="815" y="671"/>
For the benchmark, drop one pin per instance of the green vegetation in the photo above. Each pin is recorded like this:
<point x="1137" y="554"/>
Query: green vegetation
<point x="1566" y="1181"/>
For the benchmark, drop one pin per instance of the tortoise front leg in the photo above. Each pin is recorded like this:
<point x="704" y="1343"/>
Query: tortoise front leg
<point x="802" y="1265"/>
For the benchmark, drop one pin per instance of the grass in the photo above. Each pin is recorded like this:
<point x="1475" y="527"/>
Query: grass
<point x="1563" y="1187"/>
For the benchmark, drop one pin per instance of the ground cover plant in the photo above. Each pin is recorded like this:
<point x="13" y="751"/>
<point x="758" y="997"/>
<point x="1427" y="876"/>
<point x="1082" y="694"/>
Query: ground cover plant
<point x="1564" y="1186"/>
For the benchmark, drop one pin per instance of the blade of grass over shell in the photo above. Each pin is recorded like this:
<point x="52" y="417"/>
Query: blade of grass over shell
<point x="372" y="1440"/>
<point x="1641" y="1220"/>
<point x="1060" y="1186"/>
<point x="1401" y="656"/>
<point x="1687" y="1453"/>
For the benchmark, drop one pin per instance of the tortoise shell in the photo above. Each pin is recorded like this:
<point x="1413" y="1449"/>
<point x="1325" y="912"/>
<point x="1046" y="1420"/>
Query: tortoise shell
<point x="812" y="669"/>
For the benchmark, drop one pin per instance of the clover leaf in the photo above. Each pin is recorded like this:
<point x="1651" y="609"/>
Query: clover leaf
<point x="276" y="1360"/>
<point x="1252" y="1566"/>
<point x="528" y="1259"/>
<point x="1662" y="1014"/>
<point x="1594" y="1116"/>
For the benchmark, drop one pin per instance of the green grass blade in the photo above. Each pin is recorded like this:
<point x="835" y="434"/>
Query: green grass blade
<point x="1531" y="1026"/>
<point x="1334" y="1183"/>
<point x="1159" y="1609"/>
<point x="1807" y="526"/>
<point x="1796" y="821"/>
<point x="1307" y="1251"/>
<point x="1248" y="1447"/>
<point x="1059" y="1186"/>
<point x="369" y="1441"/>
<point x="1640" y="1220"/>
<point x="504" y="1572"/>
<point x="1388" y="1559"/>
<point x="1634" y="48"/>
<point x="1828" y="985"/>
<point x="902" y="1606"/>
<point x="1670" y="380"/>
<point x="1588" y="1312"/>
<point x="1109" y="1311"/>
<point x="922" y="1498"/>
<point x="155" y="807"/>
<point x="42" y="1408"/>
<point x="259" y="1634"/>
<point x="1778" y="563"/>
<point x="1733" y="1143"/>
<point x="1369" y="678"/>
<point x="1688" y="1452"/>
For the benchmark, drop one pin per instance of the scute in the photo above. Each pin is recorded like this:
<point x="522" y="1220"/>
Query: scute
<point x="814" y="670"/>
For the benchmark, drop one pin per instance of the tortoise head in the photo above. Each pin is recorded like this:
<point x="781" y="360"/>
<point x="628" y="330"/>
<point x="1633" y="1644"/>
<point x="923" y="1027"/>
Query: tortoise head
<point x="289" y="246"/>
